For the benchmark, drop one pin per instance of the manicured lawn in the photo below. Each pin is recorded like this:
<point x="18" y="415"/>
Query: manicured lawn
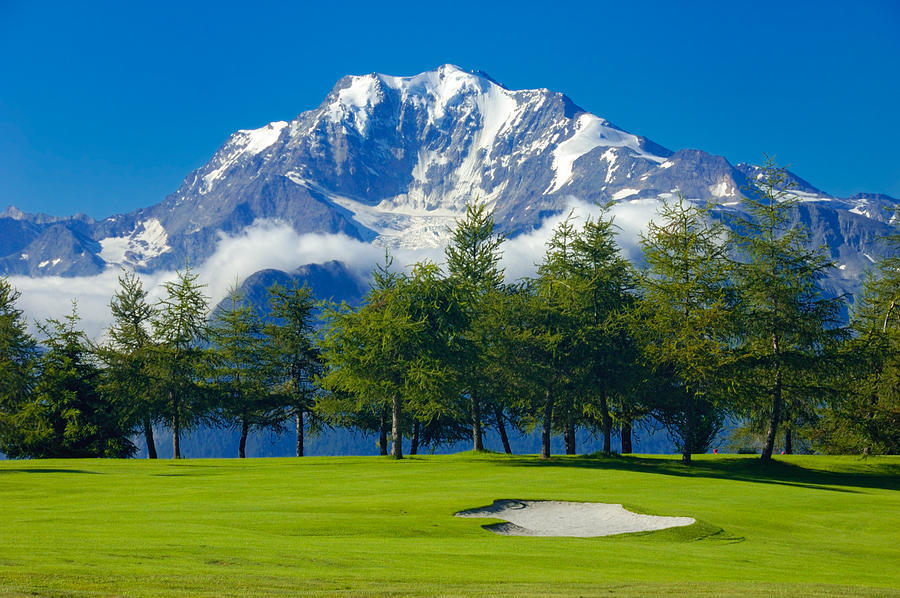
<point x="348" y="526"/>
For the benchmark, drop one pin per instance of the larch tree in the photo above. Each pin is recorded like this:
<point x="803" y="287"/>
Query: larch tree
<point x="534" y="342"/>
<point x="18" y="361"/>
<point x="604" y="281"/>
<point x="685" y="322"/>
<point x="563" y="296"/>
<point x="294" y="352"/>
<point x="473" y="265"/>
<point x="68" y="415"/>
<point x="179" y="327"/>
<point x="240" y="371"/>
<point x="366" y="353"/>
<point x="390" y="355"/>
<point x="789" y="326"/>
<point x="868" y="420"/>
<point x="127" y="356"/>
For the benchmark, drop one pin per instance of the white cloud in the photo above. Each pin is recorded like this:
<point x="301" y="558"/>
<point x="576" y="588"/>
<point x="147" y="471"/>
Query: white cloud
<point x="265" y="244"/>
<point x="632" y="218"/>
<point x="522" y="253"/>
<point x="272" y="244"/>
<point x="52" y="296"/>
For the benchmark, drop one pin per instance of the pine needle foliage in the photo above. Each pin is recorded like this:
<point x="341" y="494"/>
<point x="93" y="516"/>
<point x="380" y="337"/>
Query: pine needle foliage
<point x="18" y="361"/>
<point x="127" y="357"/>
<point x="685" y="323"/>
<point x="179" y="329"/>
<point x="869" y="420"/>
<point x="295" y="355"/>
<point x="789" y="327"/>
<point x="474" y="271"/>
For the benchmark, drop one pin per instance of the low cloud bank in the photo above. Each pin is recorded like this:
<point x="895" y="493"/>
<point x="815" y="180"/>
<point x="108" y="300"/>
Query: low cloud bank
<point x="521" y="254"/>
<point x="265" y="244"/>
<point x="272" y="244"/>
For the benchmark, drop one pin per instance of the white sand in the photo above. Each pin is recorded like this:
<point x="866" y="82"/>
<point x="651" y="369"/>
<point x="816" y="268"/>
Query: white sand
<point x="575" y="519"/>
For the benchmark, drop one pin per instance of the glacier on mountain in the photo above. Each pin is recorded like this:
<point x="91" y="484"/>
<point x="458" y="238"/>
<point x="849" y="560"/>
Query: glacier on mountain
<point x="145" y="242"/>
<point x="390" y="162"/>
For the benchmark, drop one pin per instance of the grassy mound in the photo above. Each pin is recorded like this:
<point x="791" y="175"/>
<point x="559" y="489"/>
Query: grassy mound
<point x="811" y="526"/>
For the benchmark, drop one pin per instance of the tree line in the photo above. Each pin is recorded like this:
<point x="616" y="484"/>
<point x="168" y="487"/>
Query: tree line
<point x="721" y="326"/>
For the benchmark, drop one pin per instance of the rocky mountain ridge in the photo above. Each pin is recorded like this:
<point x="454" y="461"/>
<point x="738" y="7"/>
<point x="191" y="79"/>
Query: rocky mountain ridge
<point x="393" y="160"/>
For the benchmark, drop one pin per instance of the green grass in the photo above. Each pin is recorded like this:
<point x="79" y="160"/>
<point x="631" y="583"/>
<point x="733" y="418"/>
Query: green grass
<point x="358" y="526"/>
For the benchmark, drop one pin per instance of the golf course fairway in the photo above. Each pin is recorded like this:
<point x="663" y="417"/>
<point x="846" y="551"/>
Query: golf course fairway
<point x="370" y="526"/>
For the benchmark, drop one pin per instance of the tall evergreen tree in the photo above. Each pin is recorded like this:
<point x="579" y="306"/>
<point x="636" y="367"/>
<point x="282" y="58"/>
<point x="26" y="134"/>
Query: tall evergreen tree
<point x="473" y="265"/>
<point x="127" y="356"/>
<point x="528" y="355"/>
<point x="562" y="297"/>
<point x="18" y="357"/>
<point x="294" y="352"/>
<point x="179" y="327"/>
<point x="684" y="322"/>
<point x="789" y="324"/>
<point x="390" y="354"/>
<point x="366" y="352"/>
<point x="241" y="372"/>
<point x="532" y="325"/>
<point x="68" y="416"/>
<point x="868" y="420"/>
<point x="604" y="281"/>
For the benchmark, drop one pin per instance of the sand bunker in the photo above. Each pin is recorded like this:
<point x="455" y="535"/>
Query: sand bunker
<point x="575" y="519"/>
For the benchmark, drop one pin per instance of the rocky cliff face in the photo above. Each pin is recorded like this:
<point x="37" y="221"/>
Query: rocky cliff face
<point x="393" y="160"/>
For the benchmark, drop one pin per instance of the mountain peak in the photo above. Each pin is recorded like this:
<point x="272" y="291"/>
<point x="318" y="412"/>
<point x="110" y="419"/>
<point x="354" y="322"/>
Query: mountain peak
<point x="14" y="213"/>
<point x="444" y="71"/>
<point x="394" y="160"/>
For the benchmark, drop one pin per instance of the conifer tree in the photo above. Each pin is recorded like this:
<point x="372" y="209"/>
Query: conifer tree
<point x="533" y="350"/>
<point x="179" y="328"/>
<point x="391" y="353"/>
<point x="366" y="351"/>
<point x="294" y="352"/>
<point x="604" y="281"/>
<point x="473" y="265"/>
<point x="67" y="415"/>
<point x="684" y="322"/>
<point x="18" y="357"/>
<point x="241" y="372"/>
<point x="789" y="326"/>
<point x="128" y="377"/>
<point x="561" y="296"/>
<point x="868" y="420"/>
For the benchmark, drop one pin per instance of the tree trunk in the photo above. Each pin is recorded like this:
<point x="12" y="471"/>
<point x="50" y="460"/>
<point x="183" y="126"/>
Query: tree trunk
<point x="382" y="433"/>
<point x="148" y="439"/>
<point x="176" y="444"/>
<point x="607" y="424"/>
<point x="788" y="441"/>
<point x="414" y="445"/>
<point x="242" y="447"/>
<point x="769" y="446"/>
<point x="501" y="427"/>
<point x="688" y="437"/>
<point x="548" y="421"/>
<point x="298" y="422"/>
<point x="570" y="432"/>
<point x="626" y="437"/>
<point x="396" y="431"/>
<point x="477" y="442"/>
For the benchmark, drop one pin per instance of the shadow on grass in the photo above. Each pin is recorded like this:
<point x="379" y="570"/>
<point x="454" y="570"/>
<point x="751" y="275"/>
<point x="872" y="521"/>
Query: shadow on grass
<point x="45" y="470"/>
<point x="734" y="468"/>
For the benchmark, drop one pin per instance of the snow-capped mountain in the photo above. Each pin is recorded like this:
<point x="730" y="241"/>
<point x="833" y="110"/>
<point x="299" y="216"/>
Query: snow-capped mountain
<point x="393" y="160"/>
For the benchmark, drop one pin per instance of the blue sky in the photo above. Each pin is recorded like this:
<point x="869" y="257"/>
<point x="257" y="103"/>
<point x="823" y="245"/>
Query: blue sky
<point x="106" y="107"/>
